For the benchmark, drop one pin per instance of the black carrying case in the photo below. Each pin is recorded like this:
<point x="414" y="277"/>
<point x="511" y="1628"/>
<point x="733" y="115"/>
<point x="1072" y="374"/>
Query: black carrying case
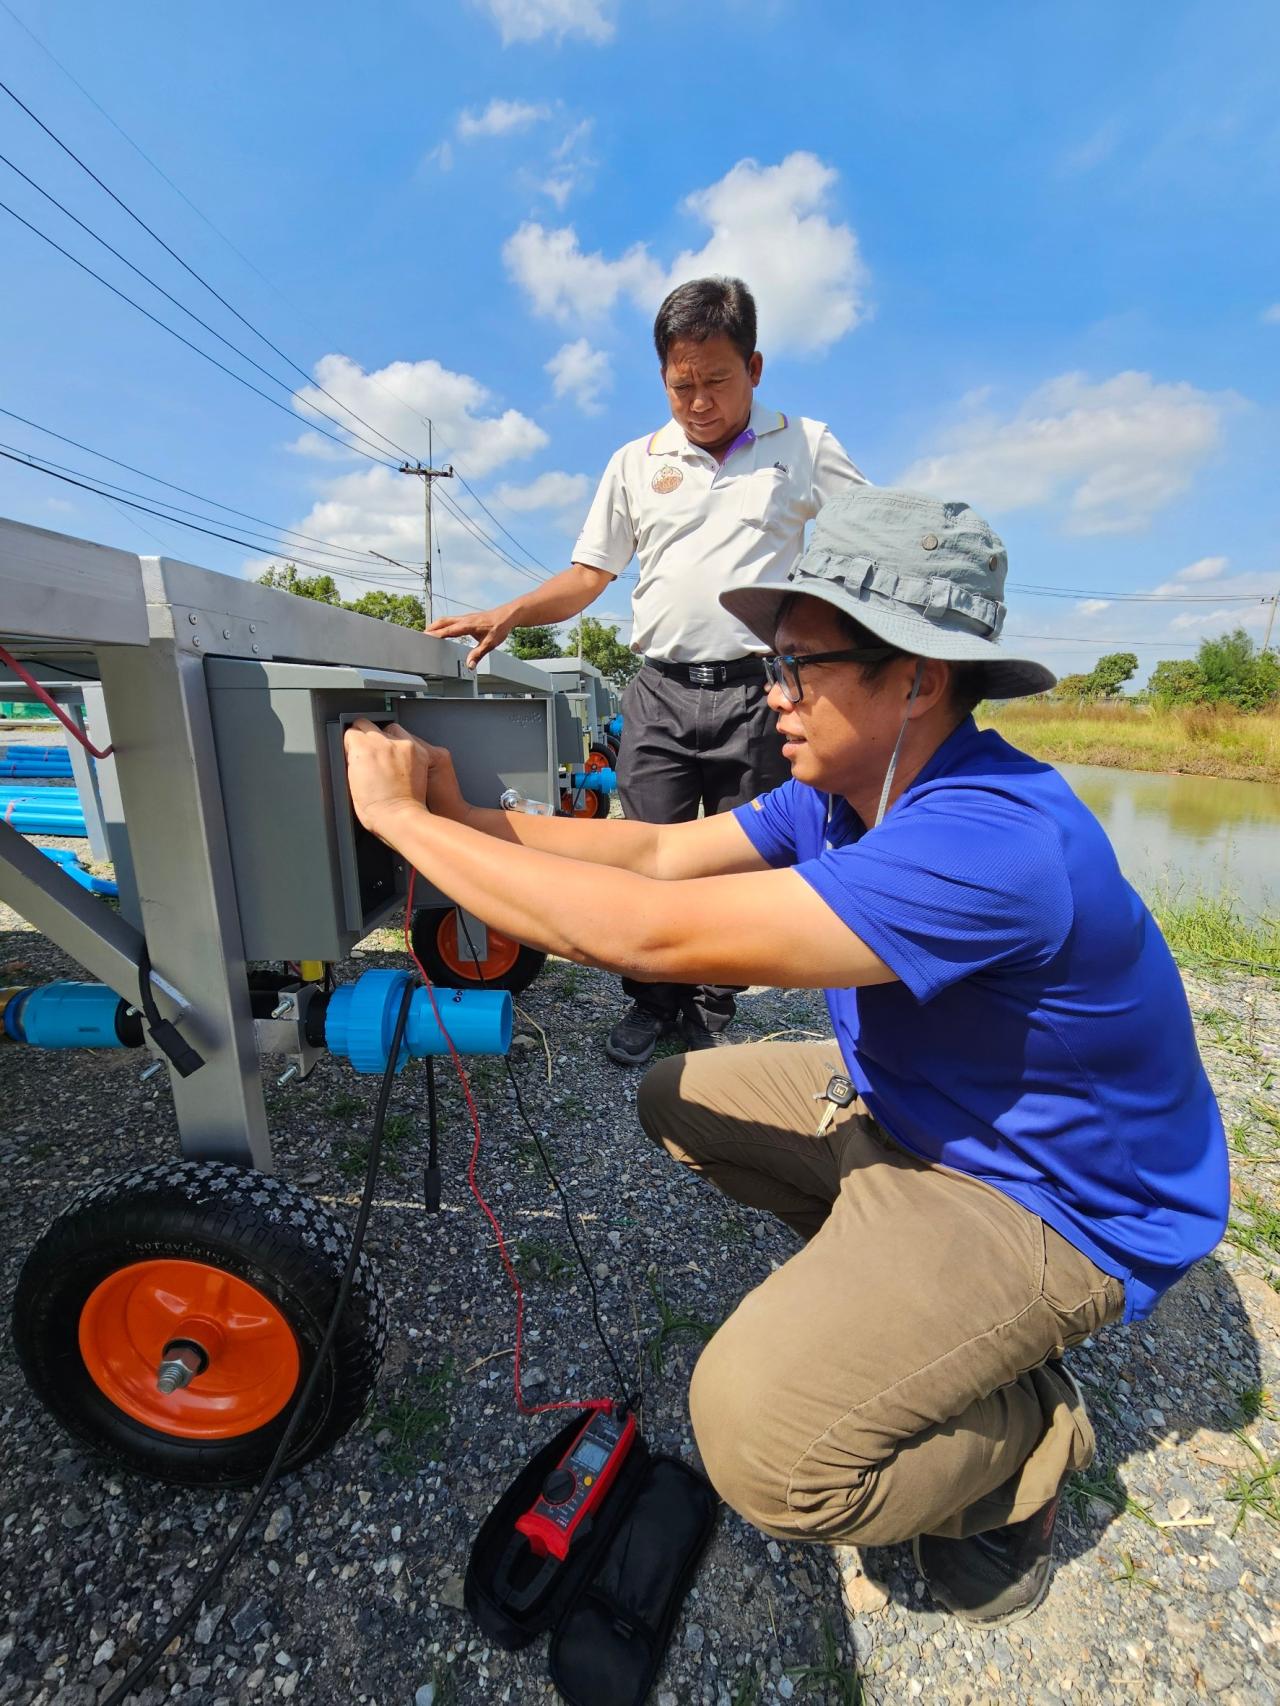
<point x="611" y="1605"/>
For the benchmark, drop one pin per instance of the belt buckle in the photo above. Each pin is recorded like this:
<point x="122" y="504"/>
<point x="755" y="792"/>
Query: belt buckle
<point x="703" y="674"/>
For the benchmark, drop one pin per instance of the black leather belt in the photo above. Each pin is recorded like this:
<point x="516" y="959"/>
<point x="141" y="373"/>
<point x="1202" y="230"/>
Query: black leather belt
<point x="710" y="674"/>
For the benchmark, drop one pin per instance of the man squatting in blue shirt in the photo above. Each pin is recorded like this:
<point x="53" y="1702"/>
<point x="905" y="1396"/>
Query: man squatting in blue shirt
<point x="1034" y="1149"/>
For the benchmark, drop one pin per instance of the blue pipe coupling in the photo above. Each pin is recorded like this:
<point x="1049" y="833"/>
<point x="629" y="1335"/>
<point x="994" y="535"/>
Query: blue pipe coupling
<point x="594" y="781"/>
<point x="64" y="1015"/>
<point x="361" y="1020"/>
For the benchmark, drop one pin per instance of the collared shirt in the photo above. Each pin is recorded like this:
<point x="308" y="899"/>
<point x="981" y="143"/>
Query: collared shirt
<point x="700" y="526"/>
<point x="1039" y="1038"/>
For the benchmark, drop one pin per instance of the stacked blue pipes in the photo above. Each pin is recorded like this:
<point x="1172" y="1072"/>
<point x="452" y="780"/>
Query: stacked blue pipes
<point x="42" y="811"/>
<point x="24" y="762"/>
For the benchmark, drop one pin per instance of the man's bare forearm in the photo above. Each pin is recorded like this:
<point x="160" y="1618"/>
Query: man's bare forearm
<point x="624" y="845"/>
<point x="564" y="595"/>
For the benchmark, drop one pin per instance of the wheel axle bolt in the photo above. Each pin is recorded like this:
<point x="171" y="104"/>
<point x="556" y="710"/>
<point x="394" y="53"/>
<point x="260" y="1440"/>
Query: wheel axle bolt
<point x="179" y="1366"/>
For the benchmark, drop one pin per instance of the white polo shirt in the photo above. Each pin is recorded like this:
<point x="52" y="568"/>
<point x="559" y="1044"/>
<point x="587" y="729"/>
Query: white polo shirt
<point x="700" y="526"/>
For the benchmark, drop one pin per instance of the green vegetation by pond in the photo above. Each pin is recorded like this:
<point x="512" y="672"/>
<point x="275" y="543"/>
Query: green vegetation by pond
<point x="1197" y="740"/>
<point x="1206" y="929"/>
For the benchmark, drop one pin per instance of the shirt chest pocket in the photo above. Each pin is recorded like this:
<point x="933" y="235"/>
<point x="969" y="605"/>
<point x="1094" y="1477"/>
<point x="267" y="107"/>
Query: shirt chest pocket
<point x="764" y="495"/>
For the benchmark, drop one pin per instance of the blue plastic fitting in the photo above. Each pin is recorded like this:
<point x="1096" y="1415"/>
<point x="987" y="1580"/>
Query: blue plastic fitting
<point x="614" y="725"/>
<point x="361" y="1020"/>
<point x="595" y="781"/>
<point x="65" y="1015"/>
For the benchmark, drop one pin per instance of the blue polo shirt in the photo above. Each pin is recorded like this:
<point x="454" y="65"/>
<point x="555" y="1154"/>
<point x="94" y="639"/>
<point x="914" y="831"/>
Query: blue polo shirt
<point x="1039" y="1037"/>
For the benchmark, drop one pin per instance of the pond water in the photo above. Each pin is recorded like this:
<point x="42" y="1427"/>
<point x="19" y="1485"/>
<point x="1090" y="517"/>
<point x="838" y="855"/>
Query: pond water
<point x="1188" y="832"/>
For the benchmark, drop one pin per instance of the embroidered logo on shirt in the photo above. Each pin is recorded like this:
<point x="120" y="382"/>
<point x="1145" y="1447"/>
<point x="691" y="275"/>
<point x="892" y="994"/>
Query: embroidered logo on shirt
<point x="666" y="479"/>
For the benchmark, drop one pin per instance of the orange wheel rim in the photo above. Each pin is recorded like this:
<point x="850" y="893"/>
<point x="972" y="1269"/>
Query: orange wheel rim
<point x="500" y="955"/>
<point x="253" y="1362"/>
<point x="581" y="802"/>
<point x="597" y="761"/>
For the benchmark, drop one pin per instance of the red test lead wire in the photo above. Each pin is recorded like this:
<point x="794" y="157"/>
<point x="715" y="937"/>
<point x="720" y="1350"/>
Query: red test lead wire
<point x="68" y="723"/>
<point x="521" y="1406"/>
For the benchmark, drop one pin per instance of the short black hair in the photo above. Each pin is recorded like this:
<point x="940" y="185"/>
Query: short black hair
<point x="704" y="308"/>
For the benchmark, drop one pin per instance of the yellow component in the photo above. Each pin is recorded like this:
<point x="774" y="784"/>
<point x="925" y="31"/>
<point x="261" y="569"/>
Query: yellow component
<point x="312" y="971"/>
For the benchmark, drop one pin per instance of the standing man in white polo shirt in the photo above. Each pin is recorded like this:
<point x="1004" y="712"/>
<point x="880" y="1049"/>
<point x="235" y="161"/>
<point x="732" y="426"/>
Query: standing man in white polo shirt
<point x="714" y="500"/>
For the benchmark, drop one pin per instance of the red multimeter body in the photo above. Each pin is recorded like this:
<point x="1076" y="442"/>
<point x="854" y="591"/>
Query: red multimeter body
<point x="574" y="1489"/>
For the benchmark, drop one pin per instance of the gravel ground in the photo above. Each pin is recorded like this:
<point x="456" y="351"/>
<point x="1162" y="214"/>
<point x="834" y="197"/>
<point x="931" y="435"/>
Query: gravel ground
<point x="1167" y="1586"/>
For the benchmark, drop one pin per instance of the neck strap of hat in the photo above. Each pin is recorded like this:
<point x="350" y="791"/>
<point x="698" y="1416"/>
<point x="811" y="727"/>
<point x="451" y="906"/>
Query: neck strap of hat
<point x="897" y="747"/>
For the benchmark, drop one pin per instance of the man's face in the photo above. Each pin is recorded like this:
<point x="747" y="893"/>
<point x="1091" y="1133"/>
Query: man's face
<point x="841" y="734"/>
<point x="709" y="388"/>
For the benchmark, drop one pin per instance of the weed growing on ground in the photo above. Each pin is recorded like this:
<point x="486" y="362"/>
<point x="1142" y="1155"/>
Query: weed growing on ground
<point x="1255" y="1490"/>
<point x="1104" y="1485"/>
<point x="836" y="1680"/>
<point x="746" y="1688"/>
<point x="540" y="1258"/>
<point x="673" y="1324"/>
<point x="417" y="1418"/>
<point x="1260" y="1234"/>
<point x="344" y="1106"/>
<point x="353" y="1158"/>
<point x="1128" y="1576"/>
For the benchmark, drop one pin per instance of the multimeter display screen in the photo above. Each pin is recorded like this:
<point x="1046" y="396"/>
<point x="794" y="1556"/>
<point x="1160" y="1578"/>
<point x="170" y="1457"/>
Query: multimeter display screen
<point x="591" y="1457"/>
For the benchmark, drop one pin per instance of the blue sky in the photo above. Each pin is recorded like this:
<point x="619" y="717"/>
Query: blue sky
<point x="1021" y="255"/>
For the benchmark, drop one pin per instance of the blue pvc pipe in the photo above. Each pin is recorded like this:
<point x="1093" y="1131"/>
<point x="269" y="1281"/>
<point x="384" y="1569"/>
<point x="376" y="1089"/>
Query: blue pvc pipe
<point x="361" y="1016"/>
<point x="64" y="1015"/>
<point x="595" y="781"/>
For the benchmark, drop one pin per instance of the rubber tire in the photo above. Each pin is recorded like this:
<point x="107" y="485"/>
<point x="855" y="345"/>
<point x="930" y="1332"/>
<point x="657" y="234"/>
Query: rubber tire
<point x="426" y="923"/>
<point x="254" y="1226"/>
<point x="599" y="749"/>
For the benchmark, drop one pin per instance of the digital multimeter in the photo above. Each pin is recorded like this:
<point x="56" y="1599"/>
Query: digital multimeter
<point x="574" y="1489"/>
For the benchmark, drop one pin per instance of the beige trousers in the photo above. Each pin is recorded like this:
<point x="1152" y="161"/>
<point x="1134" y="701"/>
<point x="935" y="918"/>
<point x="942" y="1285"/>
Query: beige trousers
<point x="890" y="1379"/>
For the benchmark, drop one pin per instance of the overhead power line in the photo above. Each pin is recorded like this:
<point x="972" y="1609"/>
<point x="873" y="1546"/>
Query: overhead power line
<point x="199" y="278"/>
<point x="283" y="533"/>
<point x="1140" y="597"/>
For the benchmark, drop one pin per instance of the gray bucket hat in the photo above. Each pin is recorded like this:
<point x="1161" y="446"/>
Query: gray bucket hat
<point x="921" y="574"/>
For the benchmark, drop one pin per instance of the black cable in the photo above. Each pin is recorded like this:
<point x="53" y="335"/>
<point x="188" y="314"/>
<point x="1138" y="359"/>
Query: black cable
<point x="156" y="1651"/>
<point x="462" y="480"/>
<point x="282" y="533"/>
<point x="633" y="1400"/>
<point x="138" y="220"/>
<point x="182" y="1057"/>
<point x="183" y="309"/>
<point x="382" y="462"/>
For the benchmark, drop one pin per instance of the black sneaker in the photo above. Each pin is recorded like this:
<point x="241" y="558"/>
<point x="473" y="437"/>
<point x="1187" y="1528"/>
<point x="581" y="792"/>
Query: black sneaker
<point x="633" y="1039"/>
<point x="695" y="1035"/>
<point x="991" y="1578"/>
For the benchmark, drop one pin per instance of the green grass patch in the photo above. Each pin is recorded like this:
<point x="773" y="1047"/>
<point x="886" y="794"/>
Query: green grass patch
<point x="834" y="1678"/>
<point x="343" y="1107"/>
<point x="1128" y="1577"/>
<point x="1259" y="1234"/>
<point x="673" y="1324"/>
<point x="1204" y="927"/>
<point x="1196" y="740"/>
<point x="417" y="1418"/>
<point x="353" y="1157"/>
<point x="1256" y="1491"/>
<point x="541" y="1258"/>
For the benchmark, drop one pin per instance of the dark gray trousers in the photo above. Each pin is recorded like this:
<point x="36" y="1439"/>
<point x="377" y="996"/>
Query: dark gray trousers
<point x="686" y="749"/>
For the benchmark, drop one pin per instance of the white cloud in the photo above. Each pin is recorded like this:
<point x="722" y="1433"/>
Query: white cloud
<point x="395" y="399"/>
<point x="1225" y="618"/>
<point x="566" y="284"/>
<point x="1203" y="569"/>
<point x="1271" y="316"/>
<point x="529" y="20"/>
<point x="1091" y="606"/>
<point x="553" y="490"/>
<point x="499" y="118"/>
<point x="768" y="225"/>
<point x="1107" y="454"/>
<point x="1093" y="151"/>
<point x="580" y="372"/>
<point x="441" y="155"/>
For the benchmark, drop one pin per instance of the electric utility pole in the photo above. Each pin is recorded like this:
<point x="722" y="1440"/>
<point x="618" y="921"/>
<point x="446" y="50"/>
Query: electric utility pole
<point x="427" y="474"/>
<point x="1271" y="616"/>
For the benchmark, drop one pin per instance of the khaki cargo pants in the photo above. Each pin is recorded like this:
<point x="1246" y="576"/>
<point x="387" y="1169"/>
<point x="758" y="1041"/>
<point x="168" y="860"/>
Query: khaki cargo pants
<point x="889" y="1380"/>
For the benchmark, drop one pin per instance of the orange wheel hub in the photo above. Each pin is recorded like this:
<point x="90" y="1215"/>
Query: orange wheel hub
<point x="596" y="761"/>
<point x="500" y="955"/>
<point x="581" y="802"/>
<point x="133" y="1314"/>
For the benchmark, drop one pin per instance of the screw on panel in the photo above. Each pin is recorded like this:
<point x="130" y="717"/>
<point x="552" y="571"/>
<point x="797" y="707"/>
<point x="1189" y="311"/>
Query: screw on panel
<point x="226" y="633"/>
<point x="195" y="639"/>
<point x="289" y="1072"/>
<point x="192" y="617"/>
<point x="285" y="1006"/>
<point x="256" y="650"/>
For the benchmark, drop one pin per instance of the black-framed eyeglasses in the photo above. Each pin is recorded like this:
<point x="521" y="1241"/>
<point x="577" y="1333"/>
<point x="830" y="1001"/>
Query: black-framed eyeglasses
<point x="782" y="669"/>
